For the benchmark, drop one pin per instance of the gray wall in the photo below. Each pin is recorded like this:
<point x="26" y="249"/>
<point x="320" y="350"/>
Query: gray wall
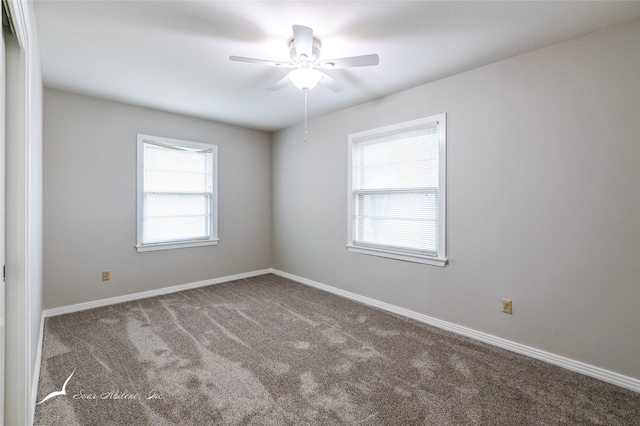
<point x="543" y="201"/>
<point x="90" y="201"/>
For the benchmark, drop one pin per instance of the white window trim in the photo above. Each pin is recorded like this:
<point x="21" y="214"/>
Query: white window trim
<point x="439" y="260"/>
<point x="213" y="239"/>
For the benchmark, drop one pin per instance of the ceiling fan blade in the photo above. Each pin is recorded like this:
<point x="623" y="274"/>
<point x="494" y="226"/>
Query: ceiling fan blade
<point x="280" y="84"/>
<point x="353" y="61"/>
<point x="303" y="39"/>
<point x="260" y="61"/>
<point x="331" y="83"/>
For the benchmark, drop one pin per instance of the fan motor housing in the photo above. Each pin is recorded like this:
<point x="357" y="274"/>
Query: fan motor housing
<point x="297" y="59"/>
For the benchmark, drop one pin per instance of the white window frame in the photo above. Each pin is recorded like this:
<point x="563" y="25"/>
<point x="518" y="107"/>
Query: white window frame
<point x="440" y="257"/>
<point x="213" y="225"/>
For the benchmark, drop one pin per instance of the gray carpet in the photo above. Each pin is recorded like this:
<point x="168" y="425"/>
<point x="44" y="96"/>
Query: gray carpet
<point x="267" y="350"/>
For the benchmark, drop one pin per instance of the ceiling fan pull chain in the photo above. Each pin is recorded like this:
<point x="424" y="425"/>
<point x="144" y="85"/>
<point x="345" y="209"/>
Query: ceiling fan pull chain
<point x="306" y="130"/>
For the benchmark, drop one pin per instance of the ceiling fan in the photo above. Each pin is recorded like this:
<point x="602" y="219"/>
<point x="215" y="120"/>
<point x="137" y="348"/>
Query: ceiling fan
<point x="304" y="50"/>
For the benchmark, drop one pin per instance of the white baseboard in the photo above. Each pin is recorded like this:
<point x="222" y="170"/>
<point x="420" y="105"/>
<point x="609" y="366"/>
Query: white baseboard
<point x="145" y="294"/>
<point x="569" y="364"/>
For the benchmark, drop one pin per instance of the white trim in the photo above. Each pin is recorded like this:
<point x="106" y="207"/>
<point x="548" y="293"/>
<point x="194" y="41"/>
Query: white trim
<point x="570" y="364"/>
<point x="22" y="409"/>
<point x="36" y="373"/>
<point x="435" y="261"/>
<point x="169" y="246"/>
<point x="20" y="20"/>
<point x="151" y="293"/>
<point x="2" y="220"/>
<point x="442" y="186"/>
<point x="29" y="264"/>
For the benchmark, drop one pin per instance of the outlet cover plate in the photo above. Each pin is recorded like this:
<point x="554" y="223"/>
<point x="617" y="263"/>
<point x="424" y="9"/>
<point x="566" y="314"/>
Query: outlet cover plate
<point x="506" y="306"/>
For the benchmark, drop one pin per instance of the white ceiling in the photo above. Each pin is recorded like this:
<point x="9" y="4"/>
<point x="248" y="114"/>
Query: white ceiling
<point x="173" y="55"/>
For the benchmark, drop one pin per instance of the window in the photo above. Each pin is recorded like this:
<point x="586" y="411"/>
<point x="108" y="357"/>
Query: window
<point x="177" y="193"/>
<point x="397" y="191"/>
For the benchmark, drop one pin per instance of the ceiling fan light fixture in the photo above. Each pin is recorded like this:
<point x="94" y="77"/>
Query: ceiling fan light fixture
<point x="305" y="78"/>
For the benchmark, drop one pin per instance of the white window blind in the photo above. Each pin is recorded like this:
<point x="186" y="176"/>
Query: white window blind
<point x="176" y="192"/>
<point x="397" y="192"/>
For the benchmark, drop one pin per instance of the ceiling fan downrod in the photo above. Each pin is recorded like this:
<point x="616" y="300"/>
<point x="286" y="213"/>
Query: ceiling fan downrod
<point x="306" y="130"/>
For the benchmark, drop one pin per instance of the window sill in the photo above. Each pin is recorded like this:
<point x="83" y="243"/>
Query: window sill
<point x="170" y="246"/>
<point x="427" y="260"/>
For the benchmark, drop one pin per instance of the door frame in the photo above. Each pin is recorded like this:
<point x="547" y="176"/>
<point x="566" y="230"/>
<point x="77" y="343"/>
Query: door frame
<point x="2" y="216"/>
<point x="17" y="407"/>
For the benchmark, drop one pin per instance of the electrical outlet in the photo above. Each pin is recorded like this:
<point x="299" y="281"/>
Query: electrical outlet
<point x="506" y="306"/>
<point x="106" y="275"/>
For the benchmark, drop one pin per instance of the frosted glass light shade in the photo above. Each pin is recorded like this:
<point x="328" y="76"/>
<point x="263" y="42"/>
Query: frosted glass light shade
<point x="305" y="78"/>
